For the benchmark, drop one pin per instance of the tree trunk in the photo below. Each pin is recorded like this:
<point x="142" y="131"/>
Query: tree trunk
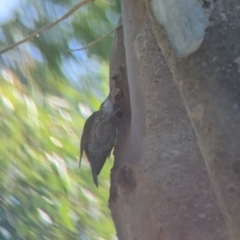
<point x="205" y="62"/>
<point x="160" y="188"/>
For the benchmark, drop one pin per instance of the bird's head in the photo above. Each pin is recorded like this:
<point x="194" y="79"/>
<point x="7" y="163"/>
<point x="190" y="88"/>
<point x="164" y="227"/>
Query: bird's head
<point x="107" y="106"/>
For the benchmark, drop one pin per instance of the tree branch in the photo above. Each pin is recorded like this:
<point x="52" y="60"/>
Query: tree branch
<point x="37" y="33"/>
<point x="97" y="40"/>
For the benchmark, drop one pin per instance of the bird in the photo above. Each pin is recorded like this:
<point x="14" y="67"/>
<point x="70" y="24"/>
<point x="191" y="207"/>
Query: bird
<point x="98" y="137"/>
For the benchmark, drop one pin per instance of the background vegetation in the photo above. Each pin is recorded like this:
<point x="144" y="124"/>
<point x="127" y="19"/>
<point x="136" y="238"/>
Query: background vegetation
<point x="46" y="93"/>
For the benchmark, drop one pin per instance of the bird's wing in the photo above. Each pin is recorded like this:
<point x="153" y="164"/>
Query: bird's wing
<point x="86" y="129"/>
<point x="106" y="142"/>
<point x="111" y="139"/>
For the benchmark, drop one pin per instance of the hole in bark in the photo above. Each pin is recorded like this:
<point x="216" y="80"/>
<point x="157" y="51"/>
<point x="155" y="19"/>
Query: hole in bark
<point x="126" y="178"/>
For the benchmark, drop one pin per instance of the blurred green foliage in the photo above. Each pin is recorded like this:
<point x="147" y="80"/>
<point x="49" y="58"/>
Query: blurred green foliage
<point x="46" y="93"/>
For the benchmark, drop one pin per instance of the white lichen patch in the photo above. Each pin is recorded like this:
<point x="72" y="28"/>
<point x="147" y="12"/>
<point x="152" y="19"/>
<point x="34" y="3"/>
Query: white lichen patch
<point x="184" y="21"/>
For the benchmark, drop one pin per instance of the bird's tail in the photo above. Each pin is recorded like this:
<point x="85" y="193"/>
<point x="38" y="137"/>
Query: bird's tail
<point x="94" y="175"/>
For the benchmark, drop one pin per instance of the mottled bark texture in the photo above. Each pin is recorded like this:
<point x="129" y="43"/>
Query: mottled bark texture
<point x="160" y="189"/>
<point x="209" y="82"/>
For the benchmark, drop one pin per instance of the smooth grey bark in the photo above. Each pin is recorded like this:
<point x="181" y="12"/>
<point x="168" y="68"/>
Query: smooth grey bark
<point x="160" y="188"/>
<point x="209" y="81"/>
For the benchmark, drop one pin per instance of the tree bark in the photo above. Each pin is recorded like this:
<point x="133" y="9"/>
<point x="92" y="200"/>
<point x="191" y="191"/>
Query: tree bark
<point x="160" y="188"/>
<point x="206" y="70"/>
